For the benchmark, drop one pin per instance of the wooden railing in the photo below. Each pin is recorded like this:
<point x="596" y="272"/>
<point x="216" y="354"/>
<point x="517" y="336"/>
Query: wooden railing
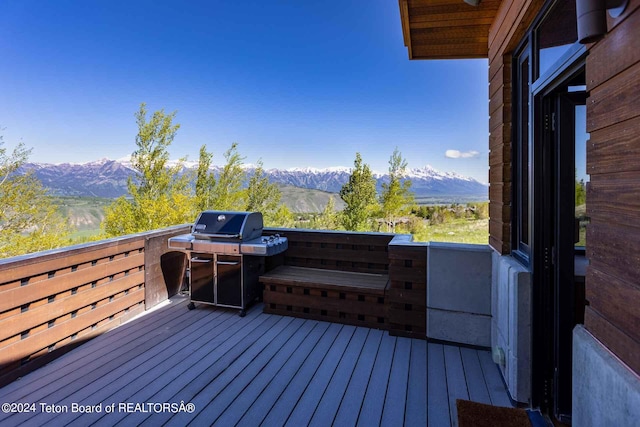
<point x="407" y="295"/>
<point x="50" y="302"/>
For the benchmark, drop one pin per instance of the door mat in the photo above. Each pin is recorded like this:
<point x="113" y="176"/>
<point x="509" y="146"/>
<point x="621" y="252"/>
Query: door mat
<point x="474" y="414"/>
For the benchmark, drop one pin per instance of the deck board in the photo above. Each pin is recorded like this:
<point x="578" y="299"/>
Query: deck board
<point x="281" y="410"/>
<point x="237" y="409"/>
<point x="394" y="405"/>
<point x="335" y="391"/>
<point x="115" y="376"/>
<point x="372" y="406"/>
<point x="308" y="401"/>
<point x="495" y="385"/>
<point x="263" y="404"/>
<point x="416" y="408"/>
<point x="179" y="372"/>
<point x="258" y="370"/>
<point x="437" y="394"/>
<point x="207" y="397"/>
<point x="476" y="384"/>
<point x="456" y="381"/>
<point x="349" y="409"/>
<point x="216" y="363"/>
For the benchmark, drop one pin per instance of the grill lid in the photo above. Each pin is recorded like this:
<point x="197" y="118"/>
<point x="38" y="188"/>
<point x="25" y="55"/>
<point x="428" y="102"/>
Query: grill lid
<point x="228" y="225"/>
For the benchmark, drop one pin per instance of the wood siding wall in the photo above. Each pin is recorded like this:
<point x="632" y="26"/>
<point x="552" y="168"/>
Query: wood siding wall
<point x="613" y="202"/>
<point x="511" y="23"/>
<point x="51" y="303"/>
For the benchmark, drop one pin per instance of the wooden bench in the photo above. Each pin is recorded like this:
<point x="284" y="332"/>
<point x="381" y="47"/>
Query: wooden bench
<point x="377" y="280"/>
<point x="337" y="296"/>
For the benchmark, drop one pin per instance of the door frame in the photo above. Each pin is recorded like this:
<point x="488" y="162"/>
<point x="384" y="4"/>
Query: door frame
<point x="553" y="293"/>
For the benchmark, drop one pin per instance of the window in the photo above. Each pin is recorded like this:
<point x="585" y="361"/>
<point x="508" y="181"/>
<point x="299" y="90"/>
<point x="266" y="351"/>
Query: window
<point x="521" y="142"/>
<point x="556" y="35"/>
<point x="548" y="49"/>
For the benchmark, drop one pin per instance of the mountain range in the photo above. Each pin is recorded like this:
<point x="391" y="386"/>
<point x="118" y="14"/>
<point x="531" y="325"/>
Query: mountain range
<point x="108" y="178"/>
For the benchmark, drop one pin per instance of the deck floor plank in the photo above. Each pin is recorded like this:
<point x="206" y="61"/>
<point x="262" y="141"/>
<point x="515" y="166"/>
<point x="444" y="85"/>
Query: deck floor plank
<point x="351" y="404"/>
<point x="60" y="381"/>
<point x="118" y="376"/>
<point x="315" y="389"/>
<point x="258" y="370"/>
<point x="476" y="384"/>
<point x="456" y="382"/>
<point x="396" y="396"/>
<point x="416" y="408"/>
<point x="164" y="370"/>
<point x="495" y="385"/>
<point x="252" y="391"/>
<point x="263" y="404"/>
<point x="437" y="392"/>
<point x="179" y="371"/>
<point x="207" y="373"/>
<point x="289" y="398"/>
<point x="220" y="398"/>
<point x="371" y="411"/>
<point x="336" y="390"/>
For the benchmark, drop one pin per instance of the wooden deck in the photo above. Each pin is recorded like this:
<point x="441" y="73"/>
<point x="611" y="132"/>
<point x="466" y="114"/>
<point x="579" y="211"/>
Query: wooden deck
<point x="258" y="370"/>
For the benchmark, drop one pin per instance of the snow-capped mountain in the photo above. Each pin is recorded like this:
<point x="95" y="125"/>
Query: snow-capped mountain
<point x="101" y="178"/>
<point x="108" y="178"/>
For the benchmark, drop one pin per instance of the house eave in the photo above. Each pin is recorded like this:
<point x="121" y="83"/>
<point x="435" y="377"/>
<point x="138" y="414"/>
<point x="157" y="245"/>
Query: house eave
<point x="447" y="29"/>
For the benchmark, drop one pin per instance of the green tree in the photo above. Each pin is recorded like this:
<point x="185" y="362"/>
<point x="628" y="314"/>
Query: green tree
<point x="227" y="193"/>
<point x="29" y="220"/>
<point x="283" y="217"/>
<point x="581" y="192"/>
<point x="160" y="195"/>
<point x="328" y="219"/>
<point x="359" y="194"/>
<point x="205" y="181"/>
<point x="396" y="197"/>
<point x="263" y="196"/>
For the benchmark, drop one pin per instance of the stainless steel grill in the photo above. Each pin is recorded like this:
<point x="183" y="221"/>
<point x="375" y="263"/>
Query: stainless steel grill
<point x="226" y="253"/>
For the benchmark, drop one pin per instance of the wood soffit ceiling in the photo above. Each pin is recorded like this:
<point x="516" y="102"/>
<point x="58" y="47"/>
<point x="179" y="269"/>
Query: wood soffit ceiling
<point x="447" y="29"/>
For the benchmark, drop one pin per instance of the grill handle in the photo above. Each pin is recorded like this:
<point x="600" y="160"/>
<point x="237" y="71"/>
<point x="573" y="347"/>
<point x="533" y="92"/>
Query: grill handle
<point x="217" y="236"/>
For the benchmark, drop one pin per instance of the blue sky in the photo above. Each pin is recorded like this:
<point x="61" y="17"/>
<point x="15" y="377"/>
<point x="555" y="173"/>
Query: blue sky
<point x="295" y="83"/>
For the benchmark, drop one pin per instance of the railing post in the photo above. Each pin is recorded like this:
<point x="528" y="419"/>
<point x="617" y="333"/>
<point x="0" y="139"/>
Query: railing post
<point x="164" y="268"/>
<point x="407" y="294"/>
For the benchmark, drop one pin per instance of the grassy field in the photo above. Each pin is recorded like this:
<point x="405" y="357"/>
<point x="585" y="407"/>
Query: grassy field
<point x="456" y="231"/>
<point x="84" y="213"/>
<point x="306" y="200"/>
